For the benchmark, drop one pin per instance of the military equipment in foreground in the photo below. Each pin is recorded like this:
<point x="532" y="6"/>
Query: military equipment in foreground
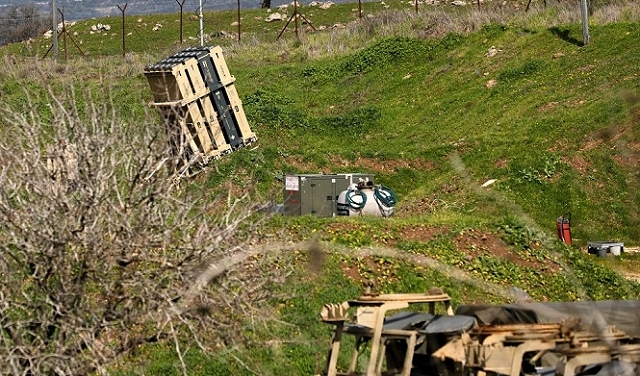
<point x="386" y="334"/>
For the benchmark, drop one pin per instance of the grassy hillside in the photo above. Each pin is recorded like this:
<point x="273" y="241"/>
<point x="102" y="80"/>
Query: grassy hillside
<point x="434" y="104"/>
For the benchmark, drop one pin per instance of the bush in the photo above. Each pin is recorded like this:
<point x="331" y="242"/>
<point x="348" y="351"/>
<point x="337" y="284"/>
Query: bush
<point x="100" y="251"/>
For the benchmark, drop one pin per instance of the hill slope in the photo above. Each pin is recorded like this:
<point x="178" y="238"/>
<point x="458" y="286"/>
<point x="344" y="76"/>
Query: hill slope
<point x="558" y="132"/>
<point x="553" y="122"/>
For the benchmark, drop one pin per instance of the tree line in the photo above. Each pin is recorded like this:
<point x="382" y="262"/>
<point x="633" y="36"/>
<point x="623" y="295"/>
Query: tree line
<point x="19" y="23"/>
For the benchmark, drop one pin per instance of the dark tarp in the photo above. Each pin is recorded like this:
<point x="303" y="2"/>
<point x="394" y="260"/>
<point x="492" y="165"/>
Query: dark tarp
<point x="435" y="331"/>
<point x="406" y="320"/>
<point x="594" y="316"/>
<point x="448" y="325"/>
<point x="427" y="323"/>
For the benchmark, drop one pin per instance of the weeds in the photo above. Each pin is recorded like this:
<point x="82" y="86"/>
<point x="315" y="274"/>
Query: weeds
<point x="526" y="70"/>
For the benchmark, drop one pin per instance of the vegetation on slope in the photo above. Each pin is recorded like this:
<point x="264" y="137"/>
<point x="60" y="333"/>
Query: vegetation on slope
<point x="434" y="105"/>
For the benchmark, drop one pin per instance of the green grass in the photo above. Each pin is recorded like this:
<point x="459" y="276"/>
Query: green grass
<point x="393" y="97"/>
<point x="505" y="123"/>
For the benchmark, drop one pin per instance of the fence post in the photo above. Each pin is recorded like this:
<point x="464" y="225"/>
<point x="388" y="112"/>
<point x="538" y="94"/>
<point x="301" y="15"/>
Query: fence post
<point x="181" y="4"/>
<point x="585" y="22"/>
<point x="55" y="30"/>
<point x="123" y="31"/>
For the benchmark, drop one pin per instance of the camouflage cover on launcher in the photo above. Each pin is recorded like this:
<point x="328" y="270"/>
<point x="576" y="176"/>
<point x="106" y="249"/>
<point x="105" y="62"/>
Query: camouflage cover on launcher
<point x="594" y="316"/>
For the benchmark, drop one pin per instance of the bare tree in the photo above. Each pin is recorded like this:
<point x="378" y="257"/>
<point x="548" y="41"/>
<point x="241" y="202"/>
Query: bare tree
<point x="99" y="251"/>
<point x="19" y="23"/>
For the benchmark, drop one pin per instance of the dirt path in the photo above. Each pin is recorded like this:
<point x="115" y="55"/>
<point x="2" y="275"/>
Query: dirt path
<point x="630" y="275"/>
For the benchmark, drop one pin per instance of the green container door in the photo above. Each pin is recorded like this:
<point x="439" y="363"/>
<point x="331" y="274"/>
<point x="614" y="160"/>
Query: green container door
<point x="321" y="197"/>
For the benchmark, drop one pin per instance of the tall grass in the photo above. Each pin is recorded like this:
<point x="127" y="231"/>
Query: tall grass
<point x="430" y="22"/>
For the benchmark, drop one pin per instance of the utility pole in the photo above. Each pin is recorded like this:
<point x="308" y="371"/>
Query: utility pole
<point x="585" y="22"/>
<point x="239" y="18"/>
<point x="201" y="26"/>
<point x="55" y="30"/>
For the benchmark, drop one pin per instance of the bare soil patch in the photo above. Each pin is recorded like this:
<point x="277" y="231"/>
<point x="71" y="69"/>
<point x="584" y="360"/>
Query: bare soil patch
<point x="419" y="206"/>
<point x="578" y="163"/>
<point x="628" y="155"/>
<point x="297" y="162"/>
<point x="547" y="106"/>
<point x="379" y="165"/>
<point x="422" y="233"/>
<point x="501" y="163"/>
<point x="591" y="144"/>
<point x="631" y="276"/>
<point x="430" y="204"/>
<point x="473" y="243"/>
<point x="482" y="243"/>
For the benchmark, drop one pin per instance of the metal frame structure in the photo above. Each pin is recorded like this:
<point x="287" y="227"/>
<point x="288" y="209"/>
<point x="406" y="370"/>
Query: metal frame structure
<point x="463" y="346"/>
<point x="369" y="327"/>
<point x="202" y="112"/>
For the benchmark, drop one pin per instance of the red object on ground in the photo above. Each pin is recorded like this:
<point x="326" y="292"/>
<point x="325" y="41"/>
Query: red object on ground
<point x="563" y="225"/>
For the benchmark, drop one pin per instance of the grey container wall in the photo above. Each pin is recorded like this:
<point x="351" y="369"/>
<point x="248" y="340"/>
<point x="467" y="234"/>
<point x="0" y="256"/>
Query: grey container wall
<point x="317" y="194"/>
